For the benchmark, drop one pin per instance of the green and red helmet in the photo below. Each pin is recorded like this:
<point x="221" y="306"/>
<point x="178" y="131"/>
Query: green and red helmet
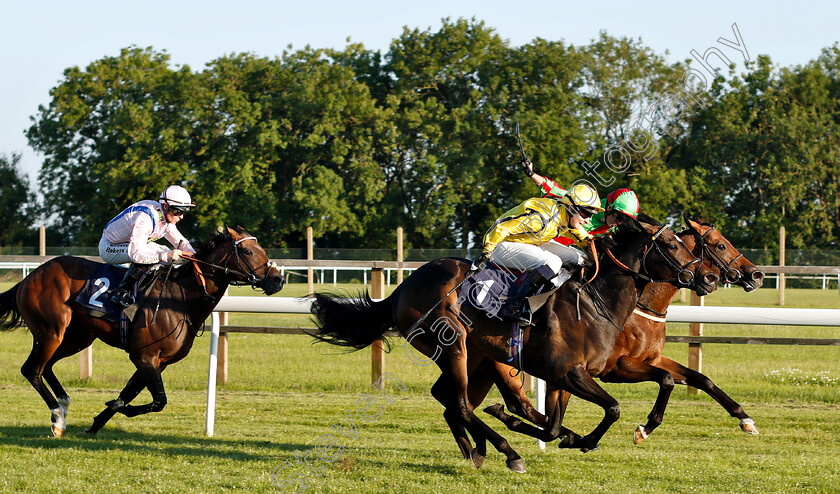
<point x="624" y="201"/>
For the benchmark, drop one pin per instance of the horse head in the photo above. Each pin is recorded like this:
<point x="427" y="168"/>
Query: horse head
<point x="665" y="257"/>
<point x="245" y="261"/>
<point x="719" y="253"/>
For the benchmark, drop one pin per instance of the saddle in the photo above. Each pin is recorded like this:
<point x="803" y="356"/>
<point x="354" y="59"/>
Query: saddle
<point x="95" y="296"/>
<point x="493" y="287"/>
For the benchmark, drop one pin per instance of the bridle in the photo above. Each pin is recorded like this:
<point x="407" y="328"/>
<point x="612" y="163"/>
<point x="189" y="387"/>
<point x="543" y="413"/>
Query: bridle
<point x="732" y="275"/>
<point x="249" y="278"/>
<point x="683" y="272"/>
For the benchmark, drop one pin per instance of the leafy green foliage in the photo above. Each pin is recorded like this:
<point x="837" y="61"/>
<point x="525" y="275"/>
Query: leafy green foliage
<point x="17" y="202"/>
<point x="355" y="143"/>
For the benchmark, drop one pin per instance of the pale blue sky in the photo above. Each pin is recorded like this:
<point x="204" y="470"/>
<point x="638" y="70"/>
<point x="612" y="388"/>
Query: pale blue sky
<point x="39" y="39"/>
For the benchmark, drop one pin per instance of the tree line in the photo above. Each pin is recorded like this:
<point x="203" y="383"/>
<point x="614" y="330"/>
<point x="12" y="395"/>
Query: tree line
<point x="356" y="142"/>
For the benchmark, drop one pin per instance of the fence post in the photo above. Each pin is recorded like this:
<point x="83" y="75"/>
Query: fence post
<point x="377" y="350"/>
<point x="310" y="255"/>
<point x="222" y="372"/>
<point x="86" y="363"/>
<point x="695" y="351"/>
<point x="399" y="254"/>
<point x="781" y="263"/>
<point x="42" y="241"/>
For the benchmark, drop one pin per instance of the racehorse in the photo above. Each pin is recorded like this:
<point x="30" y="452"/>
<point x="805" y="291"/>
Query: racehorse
<point x="573" y="332"/>
<point x="161" y="332"/>
<point x="638" y="355"/>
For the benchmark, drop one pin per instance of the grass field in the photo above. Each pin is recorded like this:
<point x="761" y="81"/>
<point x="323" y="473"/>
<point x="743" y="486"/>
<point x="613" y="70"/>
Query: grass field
<point x="285" y="393"/>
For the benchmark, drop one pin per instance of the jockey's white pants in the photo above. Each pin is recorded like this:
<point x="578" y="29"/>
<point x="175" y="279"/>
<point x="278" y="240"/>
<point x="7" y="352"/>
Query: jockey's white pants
<point x="528" y="257"/>
<point x="118" y="253"/>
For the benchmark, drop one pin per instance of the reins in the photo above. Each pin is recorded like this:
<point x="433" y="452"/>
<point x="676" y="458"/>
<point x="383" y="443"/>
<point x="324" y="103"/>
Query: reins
<point x="250" y="278"/>
<point x="668" y="259"/>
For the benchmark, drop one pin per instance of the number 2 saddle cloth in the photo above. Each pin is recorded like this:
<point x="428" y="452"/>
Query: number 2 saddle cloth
<point x="96" y="298"/>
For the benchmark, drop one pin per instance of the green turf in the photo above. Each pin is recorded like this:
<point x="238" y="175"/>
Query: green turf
<point x="284" y="394"/>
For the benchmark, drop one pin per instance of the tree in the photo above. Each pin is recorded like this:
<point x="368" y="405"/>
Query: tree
<point x="16" y="202"/>
<point x="765" y="154"/>
<point x="113" y="134"/>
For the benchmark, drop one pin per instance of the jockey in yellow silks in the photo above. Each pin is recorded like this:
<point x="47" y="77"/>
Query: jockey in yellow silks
<point x="521" y="239"/>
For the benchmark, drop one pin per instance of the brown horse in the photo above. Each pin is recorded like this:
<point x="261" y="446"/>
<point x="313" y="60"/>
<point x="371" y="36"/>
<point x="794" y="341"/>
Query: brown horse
<point x="162" y="331"/>
<point x="560" y="347"/>
<point x="638" y="355"/>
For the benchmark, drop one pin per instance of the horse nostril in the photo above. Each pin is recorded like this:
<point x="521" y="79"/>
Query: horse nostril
<point x="757" y="275"/>
<point x="686" y="277"/>
<point x="711" y="279"/>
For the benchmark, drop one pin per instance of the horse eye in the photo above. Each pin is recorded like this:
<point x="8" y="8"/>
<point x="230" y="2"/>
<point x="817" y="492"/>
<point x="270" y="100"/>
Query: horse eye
<point x="247" y="252"/>
<point x="721" y="247"/>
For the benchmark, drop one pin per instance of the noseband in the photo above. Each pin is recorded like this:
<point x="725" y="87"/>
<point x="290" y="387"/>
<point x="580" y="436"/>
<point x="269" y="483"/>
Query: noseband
<point x="733" y="276"/>
<point x="249" y="278"/>
<point x="672" y="263"/>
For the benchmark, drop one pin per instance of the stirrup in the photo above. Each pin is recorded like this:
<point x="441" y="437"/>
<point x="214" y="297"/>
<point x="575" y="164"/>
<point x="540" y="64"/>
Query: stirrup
<point x="523" y="315"/>
<point x="123" y="298"/>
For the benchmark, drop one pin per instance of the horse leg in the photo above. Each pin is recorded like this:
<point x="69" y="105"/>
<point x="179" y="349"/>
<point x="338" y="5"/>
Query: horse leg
<point x="579" y="383"/>
<point x="135" y="385"/>
<point x="684" y="375"/>
<point x="549" y="426"/>
<point x="459" y="404"/>
<point x="150" y="372"/>
<point x="631" y="370"/>
<point x="69" y="346"/>
<point x="440" y="391"/>
<point x="33" y="370"/>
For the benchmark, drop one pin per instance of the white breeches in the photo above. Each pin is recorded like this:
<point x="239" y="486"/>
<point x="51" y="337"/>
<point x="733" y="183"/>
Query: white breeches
<point x="528" y="257"/>
<point x="118" y="253"/>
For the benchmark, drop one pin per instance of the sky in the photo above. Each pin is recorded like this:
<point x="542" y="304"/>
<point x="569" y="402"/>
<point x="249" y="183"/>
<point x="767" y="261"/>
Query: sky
<point x="39" y="39"/>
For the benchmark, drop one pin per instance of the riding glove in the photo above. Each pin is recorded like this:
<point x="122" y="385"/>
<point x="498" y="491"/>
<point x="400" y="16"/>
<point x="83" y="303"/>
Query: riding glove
<point x="479" y="264"/>
<point x="527" y="166"/>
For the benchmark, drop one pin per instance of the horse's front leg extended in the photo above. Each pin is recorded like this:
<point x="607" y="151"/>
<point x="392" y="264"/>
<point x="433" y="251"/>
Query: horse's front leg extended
<point x="579" y="383"/>
<point x="631" y="370"/>
<point x="135" y="385"/>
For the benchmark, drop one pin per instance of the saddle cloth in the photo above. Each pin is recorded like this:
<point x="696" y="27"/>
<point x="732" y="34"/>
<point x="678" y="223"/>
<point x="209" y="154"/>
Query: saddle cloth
<point x="494" y="286"/>
<point x="96" y="298"/>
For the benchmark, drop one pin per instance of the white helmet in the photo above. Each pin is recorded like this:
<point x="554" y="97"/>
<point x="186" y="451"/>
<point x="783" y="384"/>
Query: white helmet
<point x="177" y="197"/>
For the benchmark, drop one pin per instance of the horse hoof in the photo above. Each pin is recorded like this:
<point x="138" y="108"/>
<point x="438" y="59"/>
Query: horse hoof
<point x="639" y="435"/>
<point x="568" y="441"/>
<point x="494" y="409"/>
<point x="589" y="450"/>
<point x="477" y="458"/>
<point x="517" y="465"/>
<point x="57" y="431"/>
<point x="90" y="431"/>
<point x="748" y="426"/>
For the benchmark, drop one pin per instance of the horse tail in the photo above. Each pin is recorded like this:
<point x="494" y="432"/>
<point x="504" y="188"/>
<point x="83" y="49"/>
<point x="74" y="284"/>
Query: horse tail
<point x="355" y="323"/>
<point x="9" y="314"/>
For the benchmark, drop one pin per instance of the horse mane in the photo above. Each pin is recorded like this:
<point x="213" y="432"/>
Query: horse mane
<point x="624" y="231"/>
<point x="202" y="248"/>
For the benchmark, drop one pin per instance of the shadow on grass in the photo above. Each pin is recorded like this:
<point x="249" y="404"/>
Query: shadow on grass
<point x="76" y="439"/>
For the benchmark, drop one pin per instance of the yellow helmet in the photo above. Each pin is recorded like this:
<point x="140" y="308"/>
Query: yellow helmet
<point x="582" y="199"/>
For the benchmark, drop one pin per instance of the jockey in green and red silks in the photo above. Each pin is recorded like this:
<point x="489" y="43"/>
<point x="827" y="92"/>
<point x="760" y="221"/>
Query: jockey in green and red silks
<point x="621" y="200"/>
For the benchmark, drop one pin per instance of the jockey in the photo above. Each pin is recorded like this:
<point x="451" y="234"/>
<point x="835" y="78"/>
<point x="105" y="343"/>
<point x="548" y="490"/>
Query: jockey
<point x="130" y="236"/>
<point x="603" y="223"/>
<point x="520" y="238"/>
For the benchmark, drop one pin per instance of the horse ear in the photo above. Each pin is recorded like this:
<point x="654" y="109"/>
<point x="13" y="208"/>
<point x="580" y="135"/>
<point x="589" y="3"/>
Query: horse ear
<point x="231" y="232"/>
<point x="649" y="228"/>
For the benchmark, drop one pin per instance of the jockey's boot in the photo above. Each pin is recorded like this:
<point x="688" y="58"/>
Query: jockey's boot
<point x="517" y="307"/>
<point x="122" y="294"/>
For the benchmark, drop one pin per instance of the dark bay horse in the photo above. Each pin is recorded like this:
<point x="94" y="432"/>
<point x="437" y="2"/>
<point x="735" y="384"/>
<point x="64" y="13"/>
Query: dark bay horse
<point x="558" y="347"/>
<point x="638" y="355"/>
<point x="159" y="335"/>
